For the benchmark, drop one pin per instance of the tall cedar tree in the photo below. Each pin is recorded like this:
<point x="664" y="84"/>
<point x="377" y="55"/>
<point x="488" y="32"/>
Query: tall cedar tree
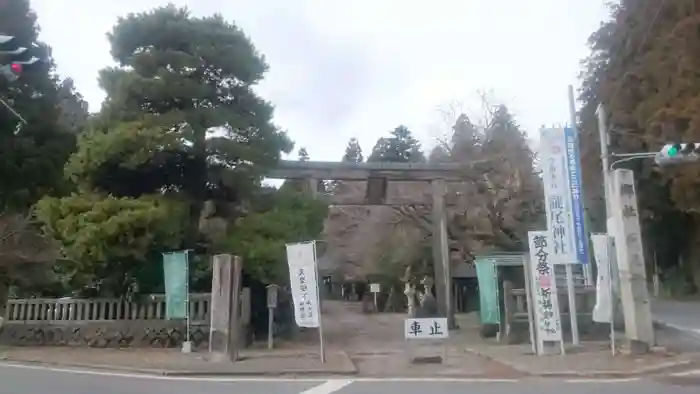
<point x="643" y="67"/>
<point x="399" y="147"/>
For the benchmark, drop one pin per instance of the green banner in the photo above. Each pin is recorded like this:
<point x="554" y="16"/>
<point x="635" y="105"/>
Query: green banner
<point x="489" y="311"/>
<point x="175" y="273"/>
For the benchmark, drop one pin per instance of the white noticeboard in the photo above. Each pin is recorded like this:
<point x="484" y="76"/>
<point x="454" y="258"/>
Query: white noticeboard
<point x="544" y="288"/>
<point x="561" y="174"/>
<point x="426" y="328"/>
<point x="301" y="258"/>
<point x="374" y="288"/>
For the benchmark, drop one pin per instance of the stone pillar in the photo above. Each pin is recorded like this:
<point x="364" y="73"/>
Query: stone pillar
<point x="220" y="306"/>
<point x="634" y="293"/>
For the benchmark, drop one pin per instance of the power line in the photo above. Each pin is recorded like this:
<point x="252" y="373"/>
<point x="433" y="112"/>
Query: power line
<point x="12" y="110"/>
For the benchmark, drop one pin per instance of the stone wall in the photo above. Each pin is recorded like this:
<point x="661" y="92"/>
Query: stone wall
<point x="117" y="334"/>
<point x="112" y="323"/>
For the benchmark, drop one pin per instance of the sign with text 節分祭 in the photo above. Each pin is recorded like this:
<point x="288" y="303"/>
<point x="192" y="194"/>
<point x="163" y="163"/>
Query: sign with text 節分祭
<point x="561" y="174"/>
<point x="547" y="320"/>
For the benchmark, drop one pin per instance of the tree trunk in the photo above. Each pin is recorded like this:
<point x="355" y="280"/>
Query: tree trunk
<point x="4" y="290"/>
<point x="197" y="186"/>
<point x="691" y="266"/>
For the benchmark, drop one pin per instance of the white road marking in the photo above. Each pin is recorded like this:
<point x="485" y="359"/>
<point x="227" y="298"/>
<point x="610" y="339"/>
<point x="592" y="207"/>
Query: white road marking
<point x="687" y="373"/>
<point x="602" y="380"/>
<point x="445" y="379"/>
<point x="330" y="386"/>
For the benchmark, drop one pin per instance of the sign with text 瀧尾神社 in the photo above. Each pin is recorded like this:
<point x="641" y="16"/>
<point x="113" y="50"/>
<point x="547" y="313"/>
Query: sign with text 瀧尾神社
<point x="561" y="174"/>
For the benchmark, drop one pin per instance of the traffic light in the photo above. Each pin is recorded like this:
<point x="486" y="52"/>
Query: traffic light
<point x="678" y="153"/>
<point x="14" y="58"/>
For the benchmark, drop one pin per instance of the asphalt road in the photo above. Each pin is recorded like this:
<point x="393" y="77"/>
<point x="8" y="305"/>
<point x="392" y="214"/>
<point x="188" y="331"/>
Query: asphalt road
<point x="23" y="380"/>
<point x="682" y="315"/>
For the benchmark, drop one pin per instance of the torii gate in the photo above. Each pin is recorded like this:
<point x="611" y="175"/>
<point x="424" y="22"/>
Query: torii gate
<point x="377" y="176"/>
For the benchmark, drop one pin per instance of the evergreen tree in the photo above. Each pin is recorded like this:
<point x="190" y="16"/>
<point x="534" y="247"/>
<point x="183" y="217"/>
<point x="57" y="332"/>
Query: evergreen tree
<point x="400" y="147"/>
<point x="303" y="155"/>
<point x="31" y="155"/>
<point x="183" y="77"/>
<point x="150" y="160"/>
<point x="643" y="68"/>
<point x="353" y="152"/>
<point x="466" y="140"/>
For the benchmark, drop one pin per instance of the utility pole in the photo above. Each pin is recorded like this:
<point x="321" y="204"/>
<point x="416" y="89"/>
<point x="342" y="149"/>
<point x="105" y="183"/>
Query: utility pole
<point x="604" y="158"/>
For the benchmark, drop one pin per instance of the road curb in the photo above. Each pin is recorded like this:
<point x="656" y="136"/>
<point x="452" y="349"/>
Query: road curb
<point x="177" y="373"/>
<point x="685" y="332"/>
<point x="653" y="369"/>
<point x="91" y="367"/>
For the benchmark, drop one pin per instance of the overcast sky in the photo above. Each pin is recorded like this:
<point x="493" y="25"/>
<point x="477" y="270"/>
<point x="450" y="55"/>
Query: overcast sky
<point x="342" y="69"/>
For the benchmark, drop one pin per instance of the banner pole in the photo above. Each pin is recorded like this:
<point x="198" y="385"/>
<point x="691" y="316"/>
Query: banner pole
<point x="187" y="344"/>
<point x="320" y="317"/>
<point x="611" y="293"/>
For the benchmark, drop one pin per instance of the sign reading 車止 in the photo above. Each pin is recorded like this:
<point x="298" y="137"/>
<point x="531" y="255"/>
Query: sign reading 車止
<point x="547" y="322"/>
<point x="561" y="170"/>
<point x="301" y="258"/>
<point x="426" y="328"/>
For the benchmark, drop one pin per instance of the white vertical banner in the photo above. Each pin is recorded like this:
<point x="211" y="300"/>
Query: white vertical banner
<point x="602" y="248"/>
<point x="561" y="170"/>
<point x="544" y="289"/>
<point x="301" y="258"/>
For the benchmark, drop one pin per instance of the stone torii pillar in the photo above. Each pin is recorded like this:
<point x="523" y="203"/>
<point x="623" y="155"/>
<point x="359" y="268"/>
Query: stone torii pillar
<point x="441" y="253"/>
<point x="313" y="187"/>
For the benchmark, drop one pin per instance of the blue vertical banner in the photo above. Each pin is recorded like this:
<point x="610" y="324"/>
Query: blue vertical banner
<point x="176" y="276"/>
<point x="573" y="158"/>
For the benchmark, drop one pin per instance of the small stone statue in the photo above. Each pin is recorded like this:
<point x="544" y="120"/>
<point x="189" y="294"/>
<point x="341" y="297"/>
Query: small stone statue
<point x="410" y="293"/>
<point x="427" y="283"/>
<point x="428" y="303"/>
